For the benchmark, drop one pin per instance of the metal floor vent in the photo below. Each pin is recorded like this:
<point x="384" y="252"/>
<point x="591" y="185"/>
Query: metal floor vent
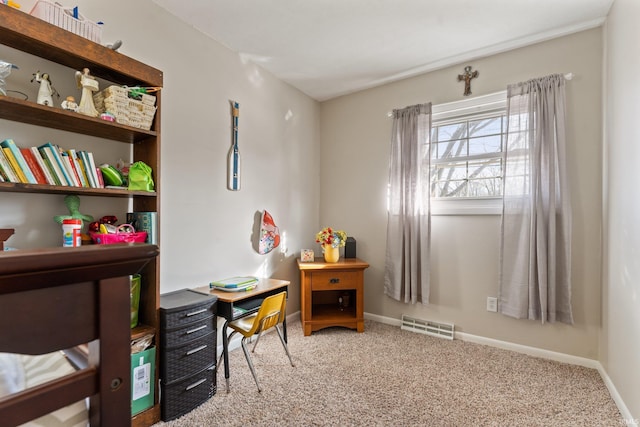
<point x="427" y="327"/>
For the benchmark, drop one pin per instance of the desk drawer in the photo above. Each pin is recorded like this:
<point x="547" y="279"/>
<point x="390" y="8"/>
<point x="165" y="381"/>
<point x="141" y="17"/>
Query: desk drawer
<point x="327" y="280"/>
<point x="194" y="356"/>
<point x="177" y="337"/>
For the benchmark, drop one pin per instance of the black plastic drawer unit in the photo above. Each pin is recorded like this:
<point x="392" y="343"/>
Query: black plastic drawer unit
<point x="188" y="351"/>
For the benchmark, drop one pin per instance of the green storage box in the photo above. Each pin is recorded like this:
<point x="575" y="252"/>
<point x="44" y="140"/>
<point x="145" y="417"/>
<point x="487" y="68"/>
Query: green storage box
<point x="143" y="372"/>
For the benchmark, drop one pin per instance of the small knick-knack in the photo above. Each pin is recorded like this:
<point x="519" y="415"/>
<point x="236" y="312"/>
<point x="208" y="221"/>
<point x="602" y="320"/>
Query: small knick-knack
<point x="89" y="85"/>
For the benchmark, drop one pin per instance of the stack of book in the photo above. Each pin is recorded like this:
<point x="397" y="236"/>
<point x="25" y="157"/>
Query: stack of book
<point x="48" y="164"/>
<point x="235" y="284"/>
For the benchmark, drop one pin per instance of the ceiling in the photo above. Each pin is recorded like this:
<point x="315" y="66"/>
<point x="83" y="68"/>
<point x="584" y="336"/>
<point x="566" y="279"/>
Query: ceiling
<point x="328" y="48"/>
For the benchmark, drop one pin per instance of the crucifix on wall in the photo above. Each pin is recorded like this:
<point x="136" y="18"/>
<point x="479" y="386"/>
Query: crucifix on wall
<point x="467" y="76"/>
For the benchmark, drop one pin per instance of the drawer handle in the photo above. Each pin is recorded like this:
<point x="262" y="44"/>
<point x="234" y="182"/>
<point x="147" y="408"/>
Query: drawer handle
<point x="334" y="280"/>
<point x="193" y="313"/>
<point x="196" y="329"/>
<point x="195" y="350"/>
<point x="194" y="385"/>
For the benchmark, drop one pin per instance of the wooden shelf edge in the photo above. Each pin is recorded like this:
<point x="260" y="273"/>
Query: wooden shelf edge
<point x="84" y="191"/>
<point x="147" y="417"/>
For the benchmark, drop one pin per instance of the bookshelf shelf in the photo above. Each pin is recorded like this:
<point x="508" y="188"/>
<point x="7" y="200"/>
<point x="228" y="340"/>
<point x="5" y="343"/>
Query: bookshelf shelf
<point x="18" y="110"/>
<point x="85" y="191"/>
<point x="36" y="37"/>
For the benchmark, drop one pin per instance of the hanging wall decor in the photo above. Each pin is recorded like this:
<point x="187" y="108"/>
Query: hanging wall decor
<point x="233" y="176"/>
<point x="269" y="234"/>
<point x="466" y="77"/>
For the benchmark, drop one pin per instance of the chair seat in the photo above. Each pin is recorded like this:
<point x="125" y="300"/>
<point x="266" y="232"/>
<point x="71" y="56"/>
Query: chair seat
<point x="244" y="324"/>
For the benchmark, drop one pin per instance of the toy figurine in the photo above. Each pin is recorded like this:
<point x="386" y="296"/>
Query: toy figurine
<point x="72" y="202"/>
<point x="89" y="85"/>
<point x="5" y="70"/>
<point x="69" y="104"/>
<point x="46" y="91"/>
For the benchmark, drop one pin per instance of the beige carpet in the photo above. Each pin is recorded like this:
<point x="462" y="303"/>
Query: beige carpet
<point x="389" y="377"/>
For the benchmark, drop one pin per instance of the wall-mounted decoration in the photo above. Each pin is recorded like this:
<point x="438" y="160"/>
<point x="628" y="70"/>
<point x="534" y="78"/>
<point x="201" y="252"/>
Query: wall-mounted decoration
<point x="466" y="77"/>
<point x="233" y="176"/>
<point x="269" y="234"/>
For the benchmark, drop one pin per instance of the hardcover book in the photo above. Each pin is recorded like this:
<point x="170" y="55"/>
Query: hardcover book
<point x="38" y="173"/>
<point x="7" y="171"/>
<point x="53" y="154"/>
<point x="22" y="164"/>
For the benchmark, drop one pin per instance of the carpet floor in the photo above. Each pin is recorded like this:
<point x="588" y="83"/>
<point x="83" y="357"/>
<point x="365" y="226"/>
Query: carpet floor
<point x="389" y="377"/>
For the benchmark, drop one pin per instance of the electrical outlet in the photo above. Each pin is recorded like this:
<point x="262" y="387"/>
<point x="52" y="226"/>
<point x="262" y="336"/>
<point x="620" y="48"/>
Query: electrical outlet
<point x="492" y="304"/>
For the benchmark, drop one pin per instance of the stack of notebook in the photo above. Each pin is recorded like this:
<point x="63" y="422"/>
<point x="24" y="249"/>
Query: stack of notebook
<point x="235" y="284"/>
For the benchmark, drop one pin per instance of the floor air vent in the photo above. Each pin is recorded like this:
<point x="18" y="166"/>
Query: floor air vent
<point x="427" y="327"/>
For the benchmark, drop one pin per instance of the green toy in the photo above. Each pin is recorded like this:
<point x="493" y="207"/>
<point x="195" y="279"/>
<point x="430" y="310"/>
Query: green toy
<point x="73" y="204"/>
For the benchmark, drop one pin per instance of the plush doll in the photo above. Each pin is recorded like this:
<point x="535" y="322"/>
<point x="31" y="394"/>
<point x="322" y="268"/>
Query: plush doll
<point x="72" y="202"/>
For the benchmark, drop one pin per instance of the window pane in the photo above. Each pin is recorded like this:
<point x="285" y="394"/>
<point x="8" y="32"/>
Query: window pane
<point x="454" y="131"/>
<point x="451" y="171"/>
<point x="485" y="144"/>
<point x="489" y="168"/>
<point x="450" y="189"/>
<point x="483" y="127"/>
<point x="489" y="187"/>
<point x="449" y="149"/>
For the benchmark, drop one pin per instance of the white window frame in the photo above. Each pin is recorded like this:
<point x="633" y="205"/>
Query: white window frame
<point x="485" y="104"/>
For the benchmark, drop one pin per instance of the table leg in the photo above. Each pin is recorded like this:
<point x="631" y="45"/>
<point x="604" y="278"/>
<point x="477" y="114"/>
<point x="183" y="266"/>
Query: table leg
<point x="225" y="352"/>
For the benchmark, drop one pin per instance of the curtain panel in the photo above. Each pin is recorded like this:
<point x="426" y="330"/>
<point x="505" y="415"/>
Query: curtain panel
<point x="535" y="261"/>
<point x="407" y="262"/>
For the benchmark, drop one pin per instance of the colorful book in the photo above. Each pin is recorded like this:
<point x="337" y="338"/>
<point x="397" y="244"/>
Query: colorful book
<point x="94" y="168"/>
<point x="83" y="160"/>
<point x="66" y="161"/>
<point x="6" y="169"/>
<point x="22" y="164"/>
<point x="43" y="165"/>
<point x="73" y="157"/>
<point x="100" y="178"/>
<point x="145" y="221"/>
<point x="14" y="166"/>
<point x="34" y="166"/>
<point x="50" y="152"/>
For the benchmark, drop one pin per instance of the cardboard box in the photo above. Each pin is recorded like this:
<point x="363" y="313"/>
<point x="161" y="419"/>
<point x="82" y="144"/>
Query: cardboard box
<point x="143" y="370"/>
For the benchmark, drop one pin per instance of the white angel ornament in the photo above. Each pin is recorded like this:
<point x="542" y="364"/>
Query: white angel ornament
<point x="46" y="90"/>
<point x="89" y="85"/>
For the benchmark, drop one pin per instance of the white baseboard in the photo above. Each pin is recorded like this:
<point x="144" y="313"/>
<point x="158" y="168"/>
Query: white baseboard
<point x="536" y="352"/>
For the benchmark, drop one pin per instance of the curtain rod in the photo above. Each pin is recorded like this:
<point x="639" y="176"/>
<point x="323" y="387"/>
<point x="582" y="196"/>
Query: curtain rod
<point x="568" y="76"/>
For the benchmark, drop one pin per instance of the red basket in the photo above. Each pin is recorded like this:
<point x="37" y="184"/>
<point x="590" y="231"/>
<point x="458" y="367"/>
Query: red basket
<point x="119" y="236"/>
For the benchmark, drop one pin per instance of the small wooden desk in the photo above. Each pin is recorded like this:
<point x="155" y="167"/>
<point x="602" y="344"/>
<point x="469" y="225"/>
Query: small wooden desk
<point x="249" y="302"/>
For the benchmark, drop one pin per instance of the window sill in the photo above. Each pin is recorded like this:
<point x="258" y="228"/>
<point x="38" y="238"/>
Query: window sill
<point x="491" y="206"/>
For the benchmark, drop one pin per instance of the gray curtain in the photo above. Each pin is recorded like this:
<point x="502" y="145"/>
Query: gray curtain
<point x="408" y="255"/>
<point x="535" y="262"/>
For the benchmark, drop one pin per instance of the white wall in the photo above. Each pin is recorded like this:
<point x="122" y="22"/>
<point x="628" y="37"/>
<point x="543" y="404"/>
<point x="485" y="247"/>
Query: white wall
<point x="207" y="232"/>
<point x="355" y="134"/>
<point x="620" y="348"/>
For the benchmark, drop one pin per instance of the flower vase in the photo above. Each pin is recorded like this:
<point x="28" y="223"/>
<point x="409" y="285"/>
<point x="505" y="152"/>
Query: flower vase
<point x="331" y="254"/>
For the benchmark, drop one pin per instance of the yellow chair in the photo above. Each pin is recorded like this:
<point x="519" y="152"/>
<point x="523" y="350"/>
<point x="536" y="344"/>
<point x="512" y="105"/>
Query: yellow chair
<point x="270" y="315"/>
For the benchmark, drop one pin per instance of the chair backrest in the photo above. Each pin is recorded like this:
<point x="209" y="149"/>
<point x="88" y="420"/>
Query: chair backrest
<point x="271" y="312"/>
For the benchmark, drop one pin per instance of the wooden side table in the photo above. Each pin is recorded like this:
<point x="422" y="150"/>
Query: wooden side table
<point x="332" y="294"/>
